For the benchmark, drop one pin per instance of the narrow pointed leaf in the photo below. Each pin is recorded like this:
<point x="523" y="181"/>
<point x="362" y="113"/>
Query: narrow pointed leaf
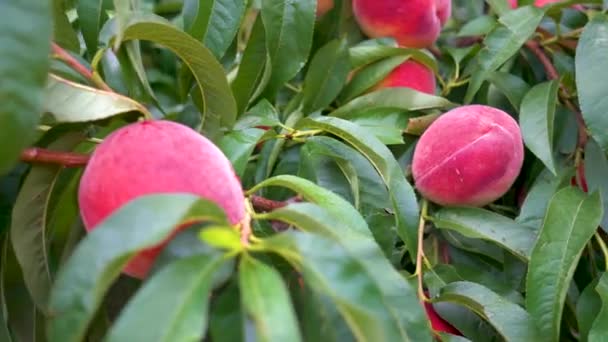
<point x="511" y="321"/>
<point x="100" y="256"/>
<point x="91" y="16"/>
<point x="266" y="302"/>
<point x="596" y="169"/>
<point x="72" y="102"/>
<point x="487" y="225"/>
<point x="570" y="221"/>
<point x="172" y="305"/>
<point x="599" y="329"/>
<point x="24" y="63"/>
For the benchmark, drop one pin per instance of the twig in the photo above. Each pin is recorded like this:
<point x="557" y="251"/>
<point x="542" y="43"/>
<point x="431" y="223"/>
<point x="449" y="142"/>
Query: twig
<point x="41" y="155"/>
<point x="265" y="204"/>
<point x="63" y="55"/>
<point x="420" y="252"/>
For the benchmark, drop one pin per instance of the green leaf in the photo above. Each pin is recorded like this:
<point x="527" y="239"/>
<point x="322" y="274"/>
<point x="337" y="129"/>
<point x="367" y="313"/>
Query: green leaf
<point x="5" y="334"/>
<point x="536" y="119"/>
<point x="326" y="76"/>
<point x="289" y="27"/>
<point x="395" y="98"/>
<point x="511" y="85"/>
<point x="250" y="75"/>
<point x="29" y="223"/>
<point x="403" y="198"/>
<point x="67" y="101"/>
<point x="91" y="17"/>
<point x="63" y="33"/>
<point x="369" y="76"/>
<point x="226" y="317"/>
<point x="221" y="237"/>
<point x="571" y="219"/>
<point x="502" y="43"/>
<point x="591" y="74"/>
<point x="361" y="283"/>
<point x="511" y="321"/>
<point x="218" y="102"/>
<point x="596" y="168"/>
<point x="331" y="202"/>
<point x="23" y="69"/>
<point x="239" y="145"/>
<point x="266" y="301"/>
<point x="214" y="22"/>
<point x="599" y="330"/>
<point x="386" y="124"/>
<point x="101" y="255"/>
<point x="487" y="225"/>
<point x="172" y="305"/>
<point x="373" y="50"/>
<point x="478" y="26"/>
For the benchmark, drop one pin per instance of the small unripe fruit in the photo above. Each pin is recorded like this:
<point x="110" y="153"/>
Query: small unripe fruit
<point x="412" y="23"/>
<point x="153" y="157"/>
<point x="469" y="156"/>
<point x="410" y="74"/>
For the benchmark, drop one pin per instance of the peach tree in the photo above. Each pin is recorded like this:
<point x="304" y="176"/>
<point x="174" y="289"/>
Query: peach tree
<point x="303" y="170"/>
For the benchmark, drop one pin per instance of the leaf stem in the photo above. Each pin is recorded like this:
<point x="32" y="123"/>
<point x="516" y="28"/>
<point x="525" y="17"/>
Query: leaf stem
<point x="64" y="56"/>
<point x="420" y="251"/>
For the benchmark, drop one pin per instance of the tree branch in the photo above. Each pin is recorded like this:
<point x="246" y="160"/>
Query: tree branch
<point x="64" y="56"/>
<point x="41" y="155"/>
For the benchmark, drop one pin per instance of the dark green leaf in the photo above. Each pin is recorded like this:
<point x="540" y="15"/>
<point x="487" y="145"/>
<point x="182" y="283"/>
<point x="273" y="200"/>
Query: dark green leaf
<point x="591" y="75"/>
<point x="289" y="26"/>
<point x="599" y="330"/>
<point x="536" y="119"/>
<point x="326" y="76"/>
<point x="91" y="16"/>
<point x="67" y="101"/>
<point x="511" y="321"/>
<point x="596" y="169"/>
<point x="239" y="145"/>
<point x="588" y="306"/>
<point x="63" y="33"/>
<point x="478" y="26"/>
<point x="403" y="198"/>
<point x="512" y="86"/>
<point x="571" y="219"/>
<point x="262" y="114"/>
<point x="502" y="43"/>
<point x="214" y="22"/>
<point x="266" y="301"/>
<point x="487" y="225"/>
<point x="172" y="305"/>
<point x="23" y="69"/>
<point x="226" y="317"/>
<point x="218" y="102"/>
<point x="29" y="233"/>
<point x="358" y="285"/>
<point x="100" y="256"/>
<point x="373" y="50"/>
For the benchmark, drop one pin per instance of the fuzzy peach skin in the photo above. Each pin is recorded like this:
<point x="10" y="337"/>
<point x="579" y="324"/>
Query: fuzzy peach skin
<point x="412" y="23"/>
<point x="324" y="6"/>
<point x="469" y="156"/>
<point x="410" y="74"/>
<point x="156" y="157"/>
<point x="541" y="3"/>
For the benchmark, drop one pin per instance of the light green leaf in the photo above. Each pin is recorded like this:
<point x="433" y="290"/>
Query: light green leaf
<point x="99" y="258"/>
<point x="67" y="101"/>
<point x="24" y="63"/>
<point x="172" y="305"/>
<point x="591" y="75"/>
<point x="536" y="119"/>
<point x="570" y="221"/>
<point x="599" y="329"/>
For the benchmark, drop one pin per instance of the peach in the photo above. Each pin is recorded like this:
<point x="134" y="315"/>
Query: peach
<point x="410" y="74"/>
<point x="324" y="6"/>
<point x="469" y="156"/>
<point x="412" y="23"/>
<point x="151" y="157"/>
<point x="437" y="323"/>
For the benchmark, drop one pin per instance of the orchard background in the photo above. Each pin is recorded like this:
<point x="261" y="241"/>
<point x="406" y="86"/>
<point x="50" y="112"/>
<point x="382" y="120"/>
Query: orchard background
<point x="283" y="138"/>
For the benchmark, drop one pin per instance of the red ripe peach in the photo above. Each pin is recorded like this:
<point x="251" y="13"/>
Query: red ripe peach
<point x="410" y="74"/>
<point x="469" y="156"/>
<point x="324" y="6"/>
<point x="437" y="323"/>
<point x="412" y="23"/>
<point x="156" y="157"/>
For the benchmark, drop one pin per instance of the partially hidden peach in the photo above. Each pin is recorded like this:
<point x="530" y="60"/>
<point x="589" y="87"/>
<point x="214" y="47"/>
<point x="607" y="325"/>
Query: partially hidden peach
<point x="324" y="6"/>
<point x="469" y="156"/>
<point x="410" y="74"/>
<point x="437" y="323"/>
<point x="152" y="157"/>
<point x="412" y="23"/>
